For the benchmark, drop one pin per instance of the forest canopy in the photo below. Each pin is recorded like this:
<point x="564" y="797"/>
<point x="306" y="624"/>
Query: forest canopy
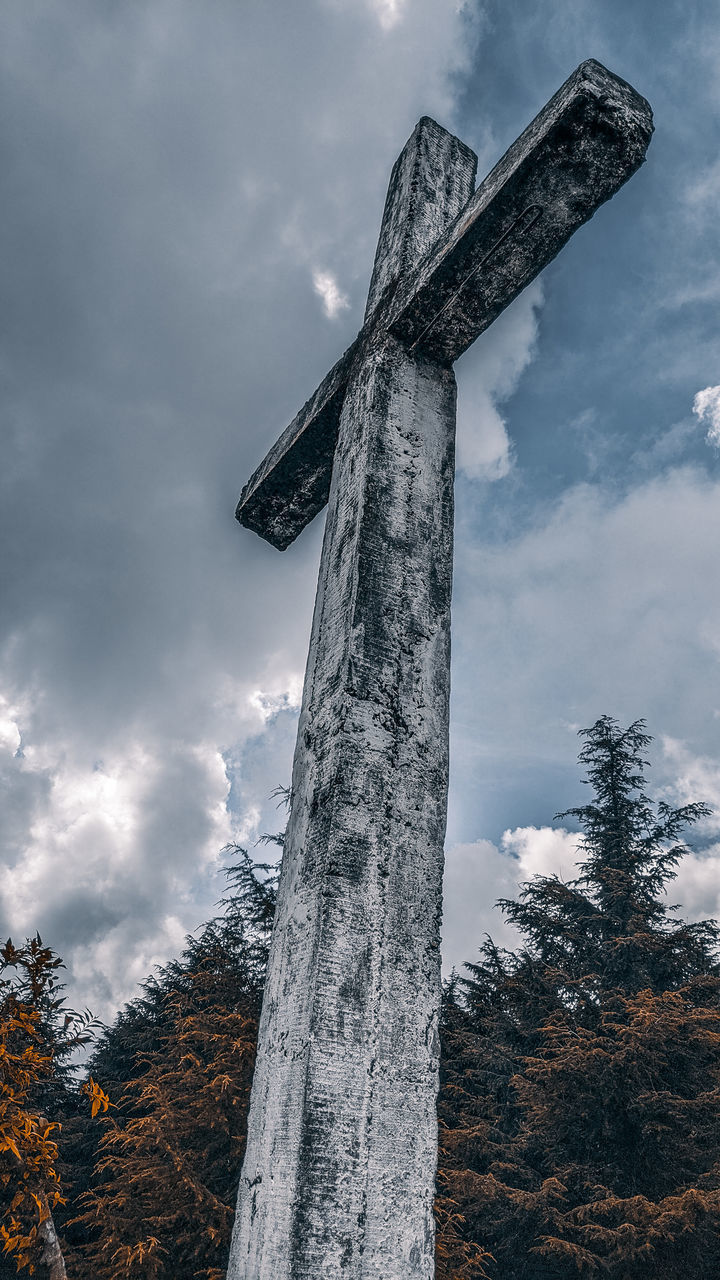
<point x="580" y="1077"/>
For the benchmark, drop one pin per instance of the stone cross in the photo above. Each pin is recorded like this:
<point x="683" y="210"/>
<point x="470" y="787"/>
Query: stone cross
<point x="341" y="1151"/>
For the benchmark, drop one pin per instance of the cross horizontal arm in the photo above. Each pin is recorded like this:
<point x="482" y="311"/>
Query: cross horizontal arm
<point x="292" y="483"/>
<point x="431" y="183"/>
<point x="581" y="148"/>
<point x="585" y="143"/>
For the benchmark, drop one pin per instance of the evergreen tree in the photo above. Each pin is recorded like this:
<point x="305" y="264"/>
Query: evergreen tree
<point x="612" y="921"/>
<point x="581" y="1076"/>
<point x="180" y="1059"/>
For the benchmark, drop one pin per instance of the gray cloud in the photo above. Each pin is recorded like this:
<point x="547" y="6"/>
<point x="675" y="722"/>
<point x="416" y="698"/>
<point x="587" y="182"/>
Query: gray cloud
<point x="605" y="604"/>
<point x="177" y="177"/>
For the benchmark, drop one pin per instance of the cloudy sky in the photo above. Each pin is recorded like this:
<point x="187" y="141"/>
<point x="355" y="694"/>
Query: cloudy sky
<point x="191" y="197"/>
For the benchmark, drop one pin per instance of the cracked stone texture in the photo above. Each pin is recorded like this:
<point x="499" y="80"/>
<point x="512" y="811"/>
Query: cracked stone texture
<point x="342" y="1144"/>
<point x="341" y="1151"/>
<point x="577" y="152"/>
<point x="429" y="186"/>
<point x="431" y="183"/>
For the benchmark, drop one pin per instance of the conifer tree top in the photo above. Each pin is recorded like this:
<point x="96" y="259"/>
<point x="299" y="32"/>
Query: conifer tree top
<point x="613" y="920"/>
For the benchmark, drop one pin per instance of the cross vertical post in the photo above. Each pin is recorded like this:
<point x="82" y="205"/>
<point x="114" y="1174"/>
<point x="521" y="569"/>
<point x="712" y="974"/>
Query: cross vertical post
<point x="338" y="1177"/>
<point x="344" y="1131"/>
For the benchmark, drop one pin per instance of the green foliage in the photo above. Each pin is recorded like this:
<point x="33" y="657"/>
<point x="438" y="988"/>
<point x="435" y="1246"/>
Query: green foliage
<point x="179" y="1061"/>
<point x="165" y="1180"/>
<point x="581" y="1075"/>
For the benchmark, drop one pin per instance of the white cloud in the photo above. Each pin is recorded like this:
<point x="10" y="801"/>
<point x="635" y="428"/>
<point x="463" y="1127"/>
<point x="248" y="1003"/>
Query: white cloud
<point x="484" y="449"/>
<point x="595" y="603"/>
<point x="112" y="852"/>
<point x="160" y="253"/>
<point x="477" y="874"/>
<point x="269" y="703"/>
<point x="487" y="376"/>
<point x="326" y="286"/>
<point x="696" y="888"/>
<point x="543" y="851"/>
<point x="152" y="646"/>
<point x="706" y="406"/>
<point x="114" y="859"/>
<point x="693" y="777"/>
<point x="10" y="737"/>
<point x="389" y="12"/>
<point x="603" y="604"/>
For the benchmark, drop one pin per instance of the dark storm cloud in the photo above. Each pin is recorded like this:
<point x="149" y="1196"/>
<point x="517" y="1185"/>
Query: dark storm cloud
<point x="178" y="178"/>
<point x="187" y="187"/>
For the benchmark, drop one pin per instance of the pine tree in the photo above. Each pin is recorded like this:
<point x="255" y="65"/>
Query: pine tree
<point x="581" y="1077"/>
<point x="612" y="920"/>
<point x="162" y="1197"/>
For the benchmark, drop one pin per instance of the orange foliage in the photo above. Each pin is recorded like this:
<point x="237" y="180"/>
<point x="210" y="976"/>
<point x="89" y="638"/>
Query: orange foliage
<point x="165" y="1181"/>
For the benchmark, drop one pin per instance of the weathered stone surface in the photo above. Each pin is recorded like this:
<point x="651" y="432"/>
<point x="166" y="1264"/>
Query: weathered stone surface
<point x="293" y="482"/>
<point x="339" y="1169"/>
<point x="430" y="184"/>
<point x="587" y="141"/>
<point x="338" y="1176"/>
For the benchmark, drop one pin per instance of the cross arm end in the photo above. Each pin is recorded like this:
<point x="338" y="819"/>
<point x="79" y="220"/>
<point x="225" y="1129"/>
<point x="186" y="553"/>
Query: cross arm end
<point x="578" y="151"/>
<point x="292" y="483"/>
